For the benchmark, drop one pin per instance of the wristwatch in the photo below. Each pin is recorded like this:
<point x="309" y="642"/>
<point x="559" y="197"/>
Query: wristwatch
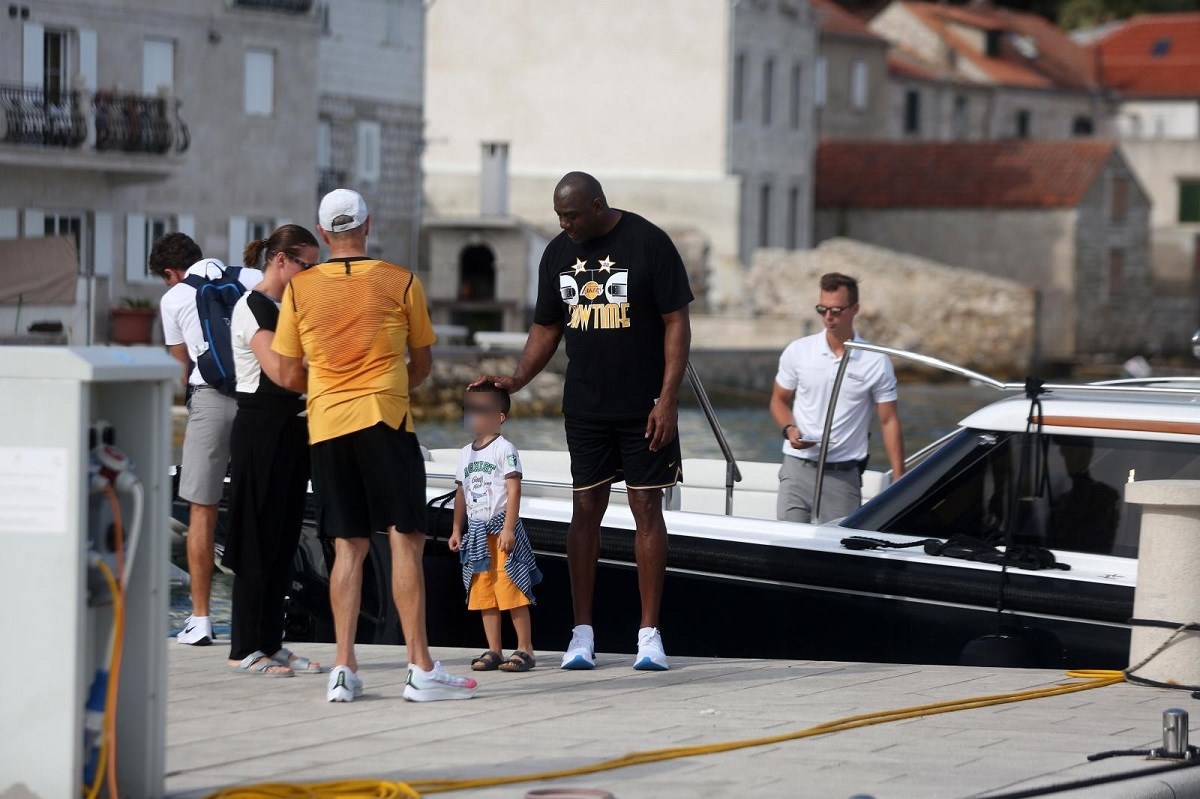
<point x="786" y="428"/>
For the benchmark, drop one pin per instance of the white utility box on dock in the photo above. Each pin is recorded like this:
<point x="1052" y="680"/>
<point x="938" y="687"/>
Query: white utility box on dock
<point x="56" y="621"/>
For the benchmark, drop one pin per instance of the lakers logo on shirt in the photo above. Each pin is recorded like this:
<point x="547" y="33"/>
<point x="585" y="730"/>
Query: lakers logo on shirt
<point x="596" y="298"/>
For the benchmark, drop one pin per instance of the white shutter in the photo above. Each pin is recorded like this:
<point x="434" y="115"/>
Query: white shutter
<point x="858" y="83"/>
<point x="8" y="223"/>
<point x="34" y="74"/>
<point x="259" y="94"/>
<point x="281" y="222"/>
<point x="324" y="145"/>
<point x="237" y="240"/>
<point x="87" y="58"/>
<point x="135" y="248"/>
<point x="819" y="78"/>
<point x="367" y="161"/>
<point x="158" y="65"/>
<point x="102" y="243"/>
<point x="34" y="223"/>
<point x="186" y="224"/>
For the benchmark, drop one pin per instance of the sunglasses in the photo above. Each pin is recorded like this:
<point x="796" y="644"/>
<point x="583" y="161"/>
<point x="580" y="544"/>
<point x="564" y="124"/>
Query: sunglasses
<point x="829" y="309"/>
<point x="472" y="408"/>
<point x="298" y="262"/>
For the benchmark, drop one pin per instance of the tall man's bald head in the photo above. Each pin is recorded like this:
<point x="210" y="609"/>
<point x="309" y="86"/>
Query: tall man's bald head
<point x="582" y="208"/>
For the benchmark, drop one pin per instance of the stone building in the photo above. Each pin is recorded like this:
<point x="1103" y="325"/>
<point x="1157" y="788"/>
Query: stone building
<point x="979" y="72"/>
<point x="370" y="82"/>
<point x="852" y="97"/>
<point x="695" y="113"/>
<point x="1067" y="218"/>
<point x="122" y="122"/>
<point x="1150" y="59"/>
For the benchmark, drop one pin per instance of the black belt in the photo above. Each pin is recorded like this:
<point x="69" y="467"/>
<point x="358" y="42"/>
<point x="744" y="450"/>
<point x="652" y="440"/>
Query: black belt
<point x="834" y="466"/>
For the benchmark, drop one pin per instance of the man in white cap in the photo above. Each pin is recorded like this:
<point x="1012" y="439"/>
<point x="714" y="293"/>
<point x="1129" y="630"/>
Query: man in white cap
<point x="353" y="318"/>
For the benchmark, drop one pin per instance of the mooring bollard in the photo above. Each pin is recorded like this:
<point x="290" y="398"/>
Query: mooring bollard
<point x="1168" y="587"/>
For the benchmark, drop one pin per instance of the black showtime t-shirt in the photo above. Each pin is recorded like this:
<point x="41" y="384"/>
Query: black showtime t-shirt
<point x="610" y="294"/>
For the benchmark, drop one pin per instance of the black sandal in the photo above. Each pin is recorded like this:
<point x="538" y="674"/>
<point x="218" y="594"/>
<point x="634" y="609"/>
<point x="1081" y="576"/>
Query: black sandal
<point x="488" y="661"/>
<point x="518" y="661"/>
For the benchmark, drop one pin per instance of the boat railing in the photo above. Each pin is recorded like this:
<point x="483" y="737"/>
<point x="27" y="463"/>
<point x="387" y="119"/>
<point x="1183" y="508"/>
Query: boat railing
<point x="1149" y="385"/>
<point x="732" y="473"/>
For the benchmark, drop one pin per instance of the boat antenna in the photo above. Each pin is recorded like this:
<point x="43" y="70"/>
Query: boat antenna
<point x="1031" y="448"/>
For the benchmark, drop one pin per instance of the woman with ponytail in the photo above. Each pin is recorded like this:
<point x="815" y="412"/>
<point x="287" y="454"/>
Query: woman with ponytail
<point x="268" y="465"/>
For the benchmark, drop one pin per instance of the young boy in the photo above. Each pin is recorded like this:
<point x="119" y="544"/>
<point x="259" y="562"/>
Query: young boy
<point x="499" y="570"/>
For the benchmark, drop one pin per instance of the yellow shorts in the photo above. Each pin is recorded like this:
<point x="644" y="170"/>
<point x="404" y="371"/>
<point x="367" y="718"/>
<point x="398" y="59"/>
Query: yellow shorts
<point x="493" y="589"/>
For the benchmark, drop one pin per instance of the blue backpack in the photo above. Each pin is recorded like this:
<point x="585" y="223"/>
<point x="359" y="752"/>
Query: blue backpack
<point x="215" y="299"/>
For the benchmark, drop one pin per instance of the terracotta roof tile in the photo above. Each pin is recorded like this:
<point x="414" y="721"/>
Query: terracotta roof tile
<point x="1153" y="55"/>
<point x="1059" y="62"/>
<point x="1007" y="174"/>
<point x="833" y="19"/>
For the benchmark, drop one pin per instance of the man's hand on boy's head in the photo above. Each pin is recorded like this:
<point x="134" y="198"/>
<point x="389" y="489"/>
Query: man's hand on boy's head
<point x="507" y="382"/>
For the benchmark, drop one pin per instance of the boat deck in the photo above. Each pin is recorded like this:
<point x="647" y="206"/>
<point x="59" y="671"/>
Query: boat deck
<point x="226" y="729"/>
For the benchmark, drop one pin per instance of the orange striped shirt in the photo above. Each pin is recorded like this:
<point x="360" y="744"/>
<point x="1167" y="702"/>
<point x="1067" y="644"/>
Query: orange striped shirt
<point x="354" y="320"/>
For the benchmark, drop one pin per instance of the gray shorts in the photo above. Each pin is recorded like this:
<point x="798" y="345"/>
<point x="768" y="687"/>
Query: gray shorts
<point x="841" y="492"/>
<point x="206" y="446"/>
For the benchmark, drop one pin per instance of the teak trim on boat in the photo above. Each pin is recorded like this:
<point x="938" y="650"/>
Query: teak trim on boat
<point x="1131" y="425"/>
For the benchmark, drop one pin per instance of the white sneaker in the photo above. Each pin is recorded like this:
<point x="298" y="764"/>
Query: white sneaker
<point x="197" y="631"/>
<point x="344" y="685"/>
<point x="650" y="656"/>
<point x="436" y="685"/>
<point x="581" y="653"/>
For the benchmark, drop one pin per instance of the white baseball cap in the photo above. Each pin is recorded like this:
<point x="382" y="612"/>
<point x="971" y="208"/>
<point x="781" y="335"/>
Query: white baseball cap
<point x="341" y="210"/>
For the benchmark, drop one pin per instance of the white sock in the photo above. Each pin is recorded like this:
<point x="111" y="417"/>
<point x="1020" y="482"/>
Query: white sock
<point x="583" y="629"/>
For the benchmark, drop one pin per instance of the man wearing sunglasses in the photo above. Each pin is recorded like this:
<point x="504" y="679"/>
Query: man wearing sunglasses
<point x="800" y="401"/>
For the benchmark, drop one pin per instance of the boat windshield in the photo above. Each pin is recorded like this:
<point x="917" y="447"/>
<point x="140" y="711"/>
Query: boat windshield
<point x="1070" y="495"/>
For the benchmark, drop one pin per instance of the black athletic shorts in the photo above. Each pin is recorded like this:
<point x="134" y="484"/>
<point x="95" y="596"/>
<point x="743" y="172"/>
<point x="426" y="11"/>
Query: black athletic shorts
<point x="367" y="481"/>
<point x="605" y="451"/>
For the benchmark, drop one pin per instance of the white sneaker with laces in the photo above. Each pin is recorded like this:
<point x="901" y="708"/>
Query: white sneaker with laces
<point x="197" y="631"/>
<point x="581" y="652"/>
<point x="436" y="685"/>
<point x="650" y="656"/>
<point x="344" y="685"/>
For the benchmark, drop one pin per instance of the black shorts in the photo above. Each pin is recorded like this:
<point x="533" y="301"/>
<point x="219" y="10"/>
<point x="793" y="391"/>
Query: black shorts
<point x="605" y="451"/>
<point x="367" y="481"/>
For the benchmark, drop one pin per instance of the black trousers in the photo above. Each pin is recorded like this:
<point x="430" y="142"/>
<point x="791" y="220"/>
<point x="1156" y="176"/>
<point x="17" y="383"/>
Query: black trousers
<point x="269" y="473"/>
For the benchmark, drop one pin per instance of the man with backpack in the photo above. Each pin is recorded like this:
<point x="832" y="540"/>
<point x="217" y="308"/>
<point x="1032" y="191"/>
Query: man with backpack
<point x="195" y="316"/>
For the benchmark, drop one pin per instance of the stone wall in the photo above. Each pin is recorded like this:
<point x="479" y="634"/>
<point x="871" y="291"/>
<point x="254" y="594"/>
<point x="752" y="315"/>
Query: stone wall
<point x="1115" y="315"/>
<point x="958" y="315"/>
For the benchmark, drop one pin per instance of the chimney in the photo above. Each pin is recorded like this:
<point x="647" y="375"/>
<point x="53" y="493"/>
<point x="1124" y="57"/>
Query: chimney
<point x="493" y="179"/>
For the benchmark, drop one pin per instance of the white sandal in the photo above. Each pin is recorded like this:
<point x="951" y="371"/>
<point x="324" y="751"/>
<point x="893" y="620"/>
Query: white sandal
<point x="258" y="664"/>
<point x="297" y="663"/>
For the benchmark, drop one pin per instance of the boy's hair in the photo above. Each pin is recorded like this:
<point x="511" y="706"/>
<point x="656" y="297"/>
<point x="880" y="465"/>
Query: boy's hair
<point x="173" y="251"/>
<point x="492" y="388"/>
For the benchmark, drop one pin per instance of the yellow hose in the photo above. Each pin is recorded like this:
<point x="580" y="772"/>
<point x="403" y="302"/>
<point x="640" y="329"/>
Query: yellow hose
<point x="385" y="789"/>
<point x="111" y="695"/>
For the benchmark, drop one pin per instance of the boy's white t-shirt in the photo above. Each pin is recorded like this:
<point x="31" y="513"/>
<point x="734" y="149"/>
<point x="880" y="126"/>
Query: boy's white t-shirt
<point x="482" y="474"/>
<point x="181" y="320"/>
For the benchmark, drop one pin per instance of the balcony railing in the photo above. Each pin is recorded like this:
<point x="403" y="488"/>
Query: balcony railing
<point x="39" y="117"/>
<point x="111" y="121"/>
<point x="290" y="6"/>
<point x="136" y="123"/>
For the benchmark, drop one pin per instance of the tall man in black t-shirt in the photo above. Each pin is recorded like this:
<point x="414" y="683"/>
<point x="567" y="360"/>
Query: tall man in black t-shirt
<point x="614" y="285"/>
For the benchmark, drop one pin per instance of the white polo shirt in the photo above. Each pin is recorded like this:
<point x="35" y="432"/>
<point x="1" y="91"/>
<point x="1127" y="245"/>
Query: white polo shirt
<point x="809" y="367"/>
<point x="180" y="320"/>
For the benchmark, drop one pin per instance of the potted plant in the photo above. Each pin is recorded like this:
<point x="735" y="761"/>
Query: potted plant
<point x="132" y="321"/>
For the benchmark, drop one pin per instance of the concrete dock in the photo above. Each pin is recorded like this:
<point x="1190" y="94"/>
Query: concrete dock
<point x="226" y="729"/>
